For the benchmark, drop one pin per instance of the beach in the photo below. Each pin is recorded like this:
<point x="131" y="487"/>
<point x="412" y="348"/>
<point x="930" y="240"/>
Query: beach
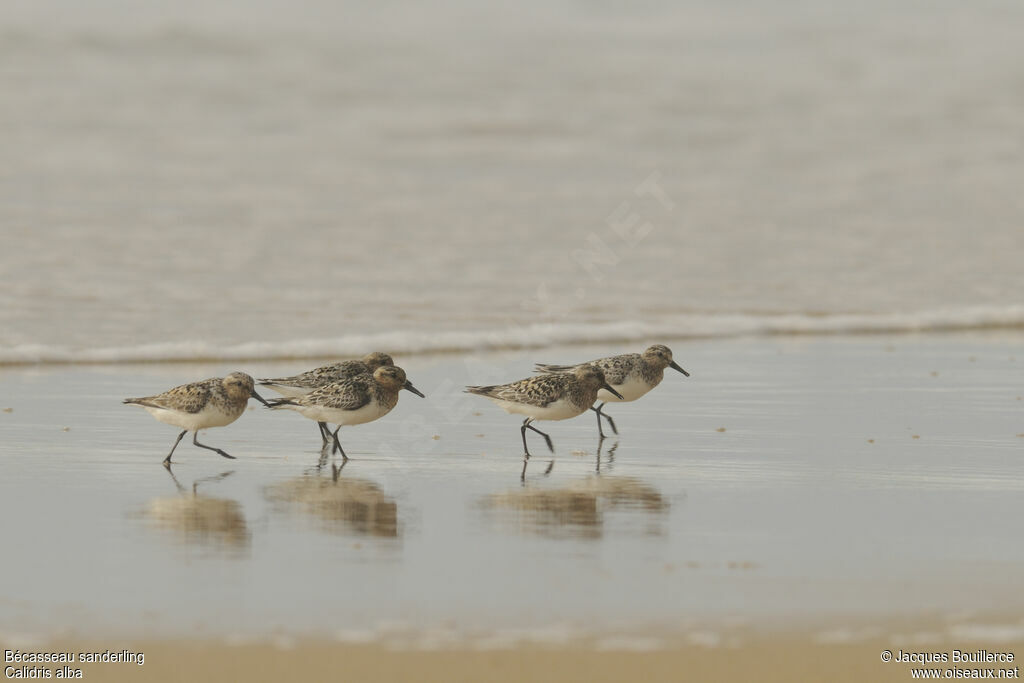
<point x="819" y="494"/>
<point x="816" y="207"/>
<point x="772" y="657"/>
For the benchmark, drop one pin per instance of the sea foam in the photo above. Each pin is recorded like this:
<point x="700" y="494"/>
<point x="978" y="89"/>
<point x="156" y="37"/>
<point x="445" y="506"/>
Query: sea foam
<point x="537" y="335"/>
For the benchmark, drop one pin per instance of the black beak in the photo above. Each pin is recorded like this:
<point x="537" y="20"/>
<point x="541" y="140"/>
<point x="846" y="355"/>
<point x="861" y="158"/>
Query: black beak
<point x="408" y="385"/>
<point x="259" y="398"/>
<point x="608" y="387"/>
<point x="675" y="366"/>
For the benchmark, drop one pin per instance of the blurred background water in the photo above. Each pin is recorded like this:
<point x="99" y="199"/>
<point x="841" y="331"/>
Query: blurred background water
<point x="271" y="179"/>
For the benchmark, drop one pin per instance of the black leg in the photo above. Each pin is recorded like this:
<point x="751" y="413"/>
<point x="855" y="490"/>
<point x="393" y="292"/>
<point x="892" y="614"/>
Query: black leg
<point x="611" y="422"/>
<point x="337" y="445"/>
<point x="167" y="460"/>
<point x="325" y="433"/>
<point x="526" y="449"/>
<point x="195" y="440"/>
<point x="527" y="425"/>
<point x="600" y="429"/>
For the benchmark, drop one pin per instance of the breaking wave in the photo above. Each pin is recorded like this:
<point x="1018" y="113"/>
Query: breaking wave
<point x="537" y="335"/>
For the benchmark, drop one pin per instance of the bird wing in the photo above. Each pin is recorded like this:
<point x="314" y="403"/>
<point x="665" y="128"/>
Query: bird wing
<point x="534" y="391"/>
<point x="347" y="394"/>
<point x="188" y="398"/>
<point x="318" y="377"/>
<point x="616" y="368"/>
<point x="544" y="367"/>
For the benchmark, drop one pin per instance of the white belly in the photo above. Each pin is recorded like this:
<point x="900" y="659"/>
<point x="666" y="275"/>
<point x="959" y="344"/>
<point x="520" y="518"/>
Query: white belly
<point x="368" y="413"/>
<point x="632" y="389"/>
<point x="210" y="416"/>
<point x="557" y="410"/>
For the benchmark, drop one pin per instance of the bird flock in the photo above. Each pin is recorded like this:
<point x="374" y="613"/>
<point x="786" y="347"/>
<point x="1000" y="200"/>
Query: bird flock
<point x="362" y="390"/>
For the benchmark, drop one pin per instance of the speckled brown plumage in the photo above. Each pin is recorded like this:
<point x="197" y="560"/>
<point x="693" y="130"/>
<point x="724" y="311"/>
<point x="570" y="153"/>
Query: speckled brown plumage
<point x="335" y="372"/>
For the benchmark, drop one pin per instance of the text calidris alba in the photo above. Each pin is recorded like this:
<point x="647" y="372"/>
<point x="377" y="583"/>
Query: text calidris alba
<point x="213" y="402"/>
<point x="631" y="374"/>
<point x="351" y="401"/>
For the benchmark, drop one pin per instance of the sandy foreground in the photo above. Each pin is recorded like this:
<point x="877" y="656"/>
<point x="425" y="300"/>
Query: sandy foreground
<point x="779" y="656"/>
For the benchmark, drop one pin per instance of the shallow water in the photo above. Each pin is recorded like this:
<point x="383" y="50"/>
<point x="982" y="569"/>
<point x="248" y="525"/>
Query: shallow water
<point x="854" y="476"/>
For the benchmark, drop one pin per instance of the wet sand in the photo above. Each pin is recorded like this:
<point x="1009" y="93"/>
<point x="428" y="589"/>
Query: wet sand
<point x="786" y="655"/>
<point x="797" y="502"/>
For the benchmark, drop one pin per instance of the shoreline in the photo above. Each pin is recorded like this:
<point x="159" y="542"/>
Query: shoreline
<point x="908" y="630"/>
<point x="531" y="337"/>
<point x="850" y="653"/>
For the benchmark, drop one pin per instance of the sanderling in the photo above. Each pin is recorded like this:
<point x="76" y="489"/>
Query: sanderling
<point x="632" y="374"/>
<point x="351" y="401"/>
<point x="301" y="384"/>
<point x="213" y="402"/>
<point x="555" y="396"/>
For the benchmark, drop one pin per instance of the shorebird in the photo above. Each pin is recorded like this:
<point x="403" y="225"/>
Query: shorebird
<point x="214" y="402"/>
<point x="555" y="396"/>
<point x="351" y="401"/>
<point x="632" y="375"/>
<point x="301" y="384"/>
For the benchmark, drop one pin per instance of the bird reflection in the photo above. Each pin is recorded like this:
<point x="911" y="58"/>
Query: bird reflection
<point x="609" y="461"/>
<point x="199" y="519"/>
<point x="581" y="509"/>
<point x="548" y="512"/>
<point x="343" y="505"/>
<point x="609" y="458"/>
